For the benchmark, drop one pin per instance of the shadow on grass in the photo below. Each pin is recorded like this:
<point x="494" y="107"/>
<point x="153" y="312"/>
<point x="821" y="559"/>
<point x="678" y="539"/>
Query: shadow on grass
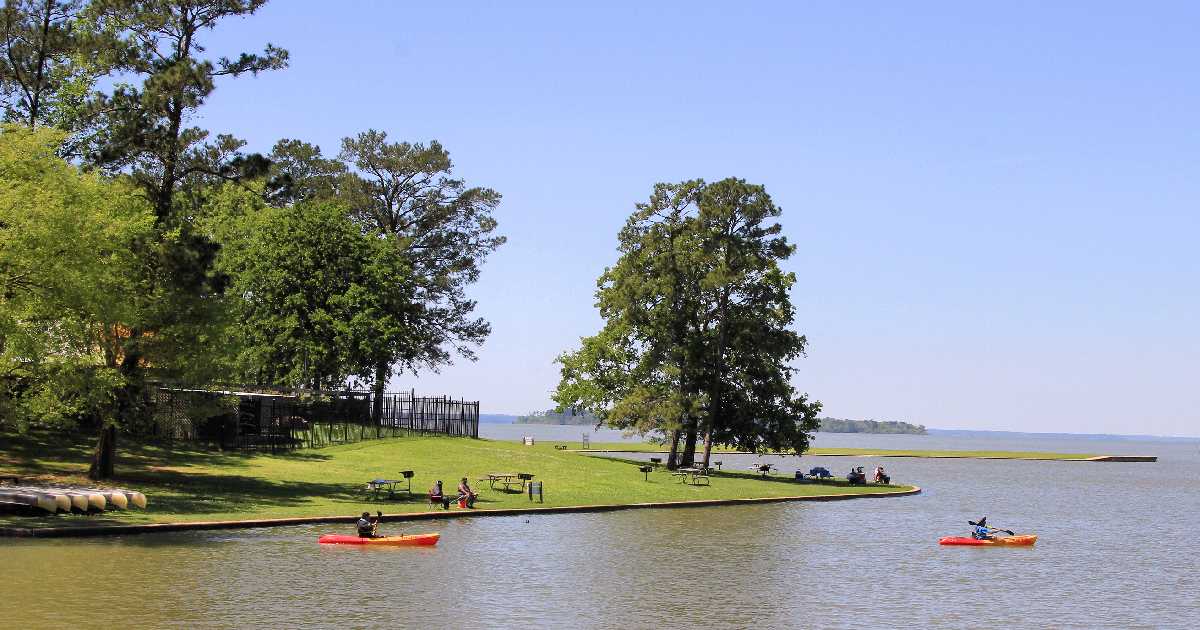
<point x="41" y="452"/>
<point x="197" y="495"/>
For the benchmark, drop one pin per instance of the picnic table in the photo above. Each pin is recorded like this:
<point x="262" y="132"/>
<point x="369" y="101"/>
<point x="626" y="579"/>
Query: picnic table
<point x="507" y="480"/>
<point x="692" y="474"/>
<point x="376" y="485"/>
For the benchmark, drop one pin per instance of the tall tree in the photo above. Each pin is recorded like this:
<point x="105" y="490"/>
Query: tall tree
<point x="309" y="291"/>
<point x="697" y="336"/>
<point x="745" y="319"/>
<point x="443" y="229"/>
<point x="66" y="265"/>
<point x="38" y="41"/>
<point x="639" y="372"/>
<point x="142" y="132"/>
<point x="144" y="129"/>
<point x="299" y="172"/>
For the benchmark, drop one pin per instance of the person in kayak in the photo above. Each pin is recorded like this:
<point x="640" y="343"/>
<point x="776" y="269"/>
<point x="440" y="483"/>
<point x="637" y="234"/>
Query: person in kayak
<point x="982" y="531"/>
<point x="466" y="494"/>
<point x="367" y="527"/>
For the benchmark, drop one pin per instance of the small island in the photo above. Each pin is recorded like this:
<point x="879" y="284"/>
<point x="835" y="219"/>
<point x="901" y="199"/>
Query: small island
<point x="565" y="417"/>
<point x="839" y="425"/>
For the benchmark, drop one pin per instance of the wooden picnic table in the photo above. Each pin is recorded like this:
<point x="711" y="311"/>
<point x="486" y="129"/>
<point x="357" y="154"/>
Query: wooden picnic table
<point x="492" y="478"/>
<point x="692" y="474"/>
<point x="507" y="480"/>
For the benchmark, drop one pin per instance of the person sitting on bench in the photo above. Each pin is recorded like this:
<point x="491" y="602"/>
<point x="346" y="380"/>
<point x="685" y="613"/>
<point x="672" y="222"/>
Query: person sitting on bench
<point x="466" y="496"/>
<point x="368" y="527"/>
<point x="856" y="476"/>
<point x="882" y="477"/>
<point x="436" y="496"/>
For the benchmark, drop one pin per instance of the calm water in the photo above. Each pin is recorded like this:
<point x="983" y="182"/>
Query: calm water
<point x="1117" y="549"/>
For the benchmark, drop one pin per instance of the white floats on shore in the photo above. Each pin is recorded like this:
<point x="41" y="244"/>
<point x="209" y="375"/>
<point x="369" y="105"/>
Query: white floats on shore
<point x="55" y="499"/>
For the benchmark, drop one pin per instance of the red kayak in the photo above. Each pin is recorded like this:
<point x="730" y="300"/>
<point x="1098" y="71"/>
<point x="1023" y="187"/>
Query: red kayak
<point x="415" y="540"/>
<point x="1023" y="540"/>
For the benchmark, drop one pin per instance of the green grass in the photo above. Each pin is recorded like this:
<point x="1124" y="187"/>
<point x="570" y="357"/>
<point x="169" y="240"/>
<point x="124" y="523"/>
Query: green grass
<point x="188" y="484"/>
<point x="643" y="447"/>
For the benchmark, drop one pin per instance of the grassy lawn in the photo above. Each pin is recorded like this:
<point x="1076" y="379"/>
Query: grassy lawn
<point x="642" y="447"/>
<point x="187" y="484"/>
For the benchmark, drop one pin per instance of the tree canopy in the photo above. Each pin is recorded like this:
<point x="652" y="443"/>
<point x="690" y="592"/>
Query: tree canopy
<point x="697" y="341"/>
<point x="67" y="261"/>
<point x="286" y="270"/>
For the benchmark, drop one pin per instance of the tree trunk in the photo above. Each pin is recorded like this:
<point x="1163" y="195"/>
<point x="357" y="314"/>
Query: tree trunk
<point x="35" y="101"/>
<point x="672" y="457"/>
<point x="382" y="372"/>
<point x="714" y="398"/>
<point x="689" y="446"/>
<point x="707" y="444"/>
<point x="105" y="457"/>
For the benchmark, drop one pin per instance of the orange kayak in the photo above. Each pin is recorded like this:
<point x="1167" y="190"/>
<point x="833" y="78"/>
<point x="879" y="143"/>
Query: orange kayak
<point x="1023" y="540"/>
<point x="387" y="541"/>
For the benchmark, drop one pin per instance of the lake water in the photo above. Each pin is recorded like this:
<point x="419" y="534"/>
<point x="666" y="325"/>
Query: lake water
<point x="1117" y="550"/>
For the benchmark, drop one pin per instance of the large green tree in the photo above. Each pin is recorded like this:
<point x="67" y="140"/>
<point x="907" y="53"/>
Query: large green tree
<point x="141" y="130"/>
<point x="309" y="291"/>
<point x="697" y="339"/>
<point x="67" y="264"/>
<point x="745" y="319"/>
<point x="443" y="229"/>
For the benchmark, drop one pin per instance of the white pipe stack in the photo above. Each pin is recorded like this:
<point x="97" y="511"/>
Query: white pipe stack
<point x="40" y="501"/>
<point x="66" y="499"/>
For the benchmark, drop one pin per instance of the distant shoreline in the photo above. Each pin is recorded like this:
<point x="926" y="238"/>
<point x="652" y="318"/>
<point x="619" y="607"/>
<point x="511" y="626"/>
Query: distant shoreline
<point x="645" y="447"/>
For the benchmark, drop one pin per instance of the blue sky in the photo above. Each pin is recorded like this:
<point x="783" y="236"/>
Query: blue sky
<point x="995" y="206"/>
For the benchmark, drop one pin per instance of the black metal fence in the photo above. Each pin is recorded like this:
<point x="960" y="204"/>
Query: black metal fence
<point x="276" y="421"/>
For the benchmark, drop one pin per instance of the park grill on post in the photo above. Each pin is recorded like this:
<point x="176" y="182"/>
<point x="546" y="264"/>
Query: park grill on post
<point x="274" y="421"/>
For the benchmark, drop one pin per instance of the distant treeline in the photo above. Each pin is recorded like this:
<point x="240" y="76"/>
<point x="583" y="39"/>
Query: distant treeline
<point x="550" y="416"/>
<point x="837" y="425"/>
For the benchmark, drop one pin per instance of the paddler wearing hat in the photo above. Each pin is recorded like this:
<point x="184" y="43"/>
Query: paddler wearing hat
<point x="982" y="531"/>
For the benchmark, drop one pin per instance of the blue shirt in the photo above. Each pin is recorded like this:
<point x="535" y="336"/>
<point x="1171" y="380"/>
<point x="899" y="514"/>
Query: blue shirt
<point x="981" y="532"/>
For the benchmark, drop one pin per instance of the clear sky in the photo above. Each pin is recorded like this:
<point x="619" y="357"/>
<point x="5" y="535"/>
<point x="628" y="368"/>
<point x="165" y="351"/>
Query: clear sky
<point x="995" y="206"/>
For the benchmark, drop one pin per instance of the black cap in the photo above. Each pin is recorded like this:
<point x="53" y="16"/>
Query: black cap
<point x="366" y="515"/>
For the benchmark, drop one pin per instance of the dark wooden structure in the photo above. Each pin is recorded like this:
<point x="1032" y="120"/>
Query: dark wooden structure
<point x="275" y="421"/>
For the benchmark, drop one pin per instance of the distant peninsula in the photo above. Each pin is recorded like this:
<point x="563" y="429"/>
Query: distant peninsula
<point x="838" y="425"/>
<point x="551" y="416"/>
